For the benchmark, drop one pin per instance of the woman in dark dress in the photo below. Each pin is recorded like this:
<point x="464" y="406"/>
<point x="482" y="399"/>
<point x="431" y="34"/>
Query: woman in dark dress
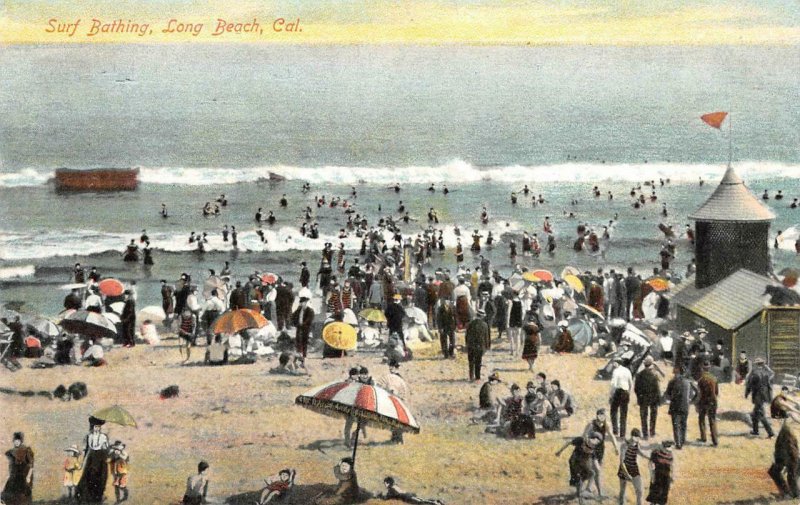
<point x="661" y="463"/>
<point x="19" y="486"/>
<point x="92" y="485"/>
<point x="530" y="347"/>
<point x="580" y="462"/>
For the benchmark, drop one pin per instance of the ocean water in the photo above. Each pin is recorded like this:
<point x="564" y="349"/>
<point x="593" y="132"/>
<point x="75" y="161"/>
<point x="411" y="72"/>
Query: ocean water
<point x="201" y="120"/>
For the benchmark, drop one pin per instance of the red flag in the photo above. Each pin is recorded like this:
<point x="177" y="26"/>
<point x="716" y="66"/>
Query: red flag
<point x="714" y="119"/>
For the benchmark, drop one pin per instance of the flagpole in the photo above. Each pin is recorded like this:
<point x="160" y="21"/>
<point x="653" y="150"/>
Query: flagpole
<point x="730" y="140"/>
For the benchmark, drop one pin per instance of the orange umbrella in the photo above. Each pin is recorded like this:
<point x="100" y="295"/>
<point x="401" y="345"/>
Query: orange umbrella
<point x="235" y="321"/>
<point x="269" y="278"/>
<point x="658" y="284"/>
<point x="542" y="275"/>
<point x="111" y="287"/>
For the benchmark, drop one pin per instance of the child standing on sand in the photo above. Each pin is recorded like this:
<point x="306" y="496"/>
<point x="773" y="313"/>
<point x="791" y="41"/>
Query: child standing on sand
<point x="119" y="470"/>
<point x="72" y="466"/>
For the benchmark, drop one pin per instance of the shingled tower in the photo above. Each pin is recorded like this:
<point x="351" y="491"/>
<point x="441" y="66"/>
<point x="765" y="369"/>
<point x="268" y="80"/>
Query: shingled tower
<point x="731" y="232"/>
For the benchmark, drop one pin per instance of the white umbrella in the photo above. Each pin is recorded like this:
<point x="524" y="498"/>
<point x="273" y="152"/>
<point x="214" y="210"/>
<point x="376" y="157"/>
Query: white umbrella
<point x="117" y="307"/>
<point x="552" y="293"/>
<point x="152" y="312"/>
<point x="634" y="335"/>
<point x="349" y="317"/>
<point x="417" y="314"/>
<point x="69" y="287"/>
<point x="113" y="317"/>
<point x="267" y="333"/>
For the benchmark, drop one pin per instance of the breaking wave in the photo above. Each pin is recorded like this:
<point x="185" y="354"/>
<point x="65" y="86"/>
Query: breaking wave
<point x="16" y="246"/>
<point x="454" y="172"/>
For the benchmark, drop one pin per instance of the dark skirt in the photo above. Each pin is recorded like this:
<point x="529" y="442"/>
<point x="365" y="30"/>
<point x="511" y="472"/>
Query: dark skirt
<point x="659" y="488"/>
<point x="580" y="469"/>
<point x="17" y="491"/>
<point x="92" y="485"/>
<point x="530" y="349"/>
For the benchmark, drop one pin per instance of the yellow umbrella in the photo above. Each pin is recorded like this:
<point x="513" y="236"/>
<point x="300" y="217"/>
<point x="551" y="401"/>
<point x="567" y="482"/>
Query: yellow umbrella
<point x="373" y="315"/>
<point x="116" y="415"/>
<point x="530" y="277"/>
<point x="340" y="336"/>
<point x="573" y="282"/>
<point x="658" y="284"/>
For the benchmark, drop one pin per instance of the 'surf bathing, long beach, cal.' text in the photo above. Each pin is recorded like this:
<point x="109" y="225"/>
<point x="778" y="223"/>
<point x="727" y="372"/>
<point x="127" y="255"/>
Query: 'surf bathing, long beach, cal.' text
<point x="217" y="28"/>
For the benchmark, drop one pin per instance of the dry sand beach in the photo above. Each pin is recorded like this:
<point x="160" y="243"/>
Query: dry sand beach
<point x="243" y="421"/>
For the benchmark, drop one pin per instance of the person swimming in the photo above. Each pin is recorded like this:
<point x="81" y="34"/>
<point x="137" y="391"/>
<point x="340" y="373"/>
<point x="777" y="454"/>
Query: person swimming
<point x="513" y="198"/>
<point x="284" y="202"/>
<point x="259" y="215"/>
<point x="432" y="189"/>
<point x="164" y="213"/>
<point x="271" y="218"/>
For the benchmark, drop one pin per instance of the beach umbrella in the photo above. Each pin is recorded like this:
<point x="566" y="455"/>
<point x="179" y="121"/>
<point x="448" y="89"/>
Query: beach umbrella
<point x="373" y="315"/>
<point x="111" y="287"/>
<point x="304" y="293"/>
<point x="591" y="310"/>
<point x="116" y="307"/>
<point x="237" y="320"/>
<point x="543" y="275"/>
<point x="552" y="294"/>
<point x="153" y="313"/>
<point x="530" y="277"/>
<point x="69" y="287"/>
<point x="115" y="415"/>
<point x="364" y="402"/>
<point x="213" y="283"/>
<point x="658" y="284"/>
<point x="42" y="326"/>
<point x="340" y="336"/>
<point x="89" y="324"/>
<point x="349" y="317"/>
<point x="113" y="317"/>
<point x="269" y="278"/>
<point x="789" y="272"/>
<point x="417" y="314"/>
<point x="569" y="271"/>
<point x="635" y="336"/>
<point x="64" y="314"/>
<point x="582" y="333"/>
<point x="574" y="282"/>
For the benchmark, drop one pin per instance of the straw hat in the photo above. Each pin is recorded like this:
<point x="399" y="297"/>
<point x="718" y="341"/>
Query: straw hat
<point x="73" y="448"/>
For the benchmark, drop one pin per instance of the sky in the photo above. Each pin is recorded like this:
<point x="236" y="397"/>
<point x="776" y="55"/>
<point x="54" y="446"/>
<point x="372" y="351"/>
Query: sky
<point x="485" y="22"/>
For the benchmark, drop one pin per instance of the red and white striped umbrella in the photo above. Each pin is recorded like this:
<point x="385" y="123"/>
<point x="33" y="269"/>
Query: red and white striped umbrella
<point x="367" y="403"/>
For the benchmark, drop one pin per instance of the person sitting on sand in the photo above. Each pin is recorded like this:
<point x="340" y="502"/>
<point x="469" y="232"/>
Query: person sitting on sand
<point x="783" y="407"/>
<point x="197" y="486"/>
<point x="346" y="491"/>
<point x="217" y="353"/>
<point x="395" y="493"/>
<point x="93" y="355"/>
<point x="290" y="364"/>
<point x="564" y="342"/>
<point x="278" y="486"/>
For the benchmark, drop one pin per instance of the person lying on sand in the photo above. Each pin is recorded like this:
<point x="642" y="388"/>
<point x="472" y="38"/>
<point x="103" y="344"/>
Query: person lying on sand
<point x="278" y="486"/>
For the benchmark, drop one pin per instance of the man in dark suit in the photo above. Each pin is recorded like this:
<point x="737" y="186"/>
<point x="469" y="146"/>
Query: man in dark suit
<point x="648" y="395"/>
<point x="708" y="392"/>
<point x="680" y="392"/>
<point x="477" y="340"/>
<point x="759" y="385"/>
<point x="302" y="319"/>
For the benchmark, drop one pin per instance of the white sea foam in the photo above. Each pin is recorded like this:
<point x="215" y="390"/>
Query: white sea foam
<point x="455" y="172"/>
<point x="40" y="244"/>
<point x="17" y="272"/>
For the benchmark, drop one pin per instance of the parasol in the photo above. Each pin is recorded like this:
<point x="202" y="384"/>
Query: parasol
<point x="364" y="402"/>
<point x="569" y="271"/>
<point x="115" y="415"/>
<point x="75" y="285"/>
<point x="340" y="336"/>
<point x="349" y="317"/>
<point x="89" y="324"/>
<point x="111" y="287"/>
<point x="635" y="336"/>
<point x="543" y="275"/>
<point x="582" y="333"/>
<point x="574" y="282"/>
<point x="117" y="307"/>
<point x="552" y="294"/>
<point x="658" y="284"/>
<point x="237" y="320"/>
<point x="113" y="317"/>
<point x="304" y="293"/>
<point x="530" y="277"/>
<point x="373" y="315"/>
<point x="417" y="314"/>
<point x="213" y="283"/>
<point x="42" y="326"/>
<point x="591" y="310"/>
<point x="152" y="312"/>
<point x="269" y="278"/>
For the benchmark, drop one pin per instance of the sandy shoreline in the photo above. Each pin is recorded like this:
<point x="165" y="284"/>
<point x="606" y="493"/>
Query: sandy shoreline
<point x="244" y="422"/>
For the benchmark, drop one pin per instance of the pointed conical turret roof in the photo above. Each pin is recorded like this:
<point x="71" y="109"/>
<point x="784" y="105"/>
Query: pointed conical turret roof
<point x="732" y="201"/>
